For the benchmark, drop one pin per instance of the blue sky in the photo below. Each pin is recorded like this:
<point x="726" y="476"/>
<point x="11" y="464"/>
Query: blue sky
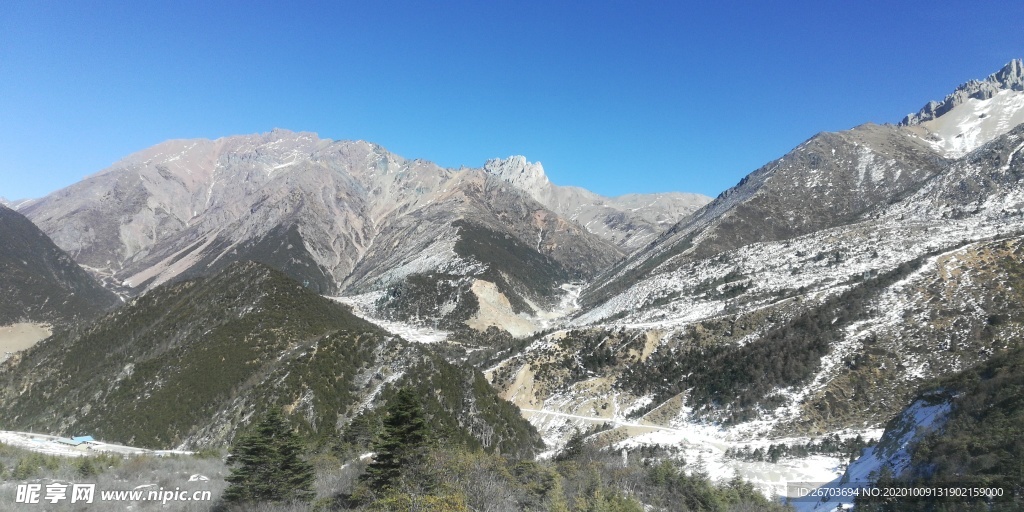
<point x="616" y="97"/>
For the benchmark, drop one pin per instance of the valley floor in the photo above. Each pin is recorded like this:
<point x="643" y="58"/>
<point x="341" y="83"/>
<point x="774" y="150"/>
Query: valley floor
<point x="52" y="445"/>
<point x="703" y="447"/>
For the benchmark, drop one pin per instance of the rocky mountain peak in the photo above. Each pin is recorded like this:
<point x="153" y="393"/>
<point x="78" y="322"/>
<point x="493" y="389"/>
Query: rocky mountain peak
<point x="1010" y="77"/>
<point x="527" y="176"/>
<point x="281" y="133"/>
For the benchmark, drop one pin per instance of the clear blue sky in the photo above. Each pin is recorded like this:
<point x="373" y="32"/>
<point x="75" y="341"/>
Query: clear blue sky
<point x="616" y="97"/>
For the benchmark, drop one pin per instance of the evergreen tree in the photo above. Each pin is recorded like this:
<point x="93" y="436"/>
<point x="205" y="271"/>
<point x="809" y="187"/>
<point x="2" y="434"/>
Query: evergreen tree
<point x="269" y="464"/>
<point x="85" y="468"/>
<point x="401" y="443"/>
<point x="573" y="447"/>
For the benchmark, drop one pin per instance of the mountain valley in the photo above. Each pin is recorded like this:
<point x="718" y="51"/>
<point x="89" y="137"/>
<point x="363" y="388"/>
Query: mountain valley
<point x="833" y="294"/>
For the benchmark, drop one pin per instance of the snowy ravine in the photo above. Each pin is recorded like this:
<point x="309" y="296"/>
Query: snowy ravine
<point x="704" y="448"/>
<point x="892" y="452"/>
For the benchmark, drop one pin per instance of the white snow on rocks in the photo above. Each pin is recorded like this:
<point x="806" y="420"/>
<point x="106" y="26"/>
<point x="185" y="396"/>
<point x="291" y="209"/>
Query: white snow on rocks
<point x="891" y="452"/>
<point x="363" y="304"/>
<point x="975" y="122"/>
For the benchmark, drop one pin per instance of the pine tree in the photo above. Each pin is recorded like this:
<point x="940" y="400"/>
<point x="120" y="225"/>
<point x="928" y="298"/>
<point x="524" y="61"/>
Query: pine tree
<point x="402" y="442"/>
<point x="269" y="465"/>
<point x="573" y="448"/>
<point x="85" y="468"/>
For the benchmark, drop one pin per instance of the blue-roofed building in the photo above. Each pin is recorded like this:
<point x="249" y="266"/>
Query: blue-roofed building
<point x="77" y="440"/>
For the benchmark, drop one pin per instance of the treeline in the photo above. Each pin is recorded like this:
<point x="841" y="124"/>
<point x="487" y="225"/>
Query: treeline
<point x="831" y="445"/>
<point x="415" y="467"/>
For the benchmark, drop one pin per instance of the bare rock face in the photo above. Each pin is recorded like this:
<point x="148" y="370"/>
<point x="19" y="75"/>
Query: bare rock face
<point x="1011" y="77"/>
<point x="628" y="221"/>
<point x="526" y="176"/>
<point x="336" y="216"/>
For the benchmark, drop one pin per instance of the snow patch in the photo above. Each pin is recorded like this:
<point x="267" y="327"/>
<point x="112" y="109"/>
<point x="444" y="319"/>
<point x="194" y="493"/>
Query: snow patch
<point x="362" y="305"/>
<point x="892" y="451"/>
<point x="975" y="122"/>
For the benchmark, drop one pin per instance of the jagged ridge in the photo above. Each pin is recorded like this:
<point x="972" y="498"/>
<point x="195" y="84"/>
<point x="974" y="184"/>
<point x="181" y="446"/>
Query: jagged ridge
<point x="1010" y="77"/>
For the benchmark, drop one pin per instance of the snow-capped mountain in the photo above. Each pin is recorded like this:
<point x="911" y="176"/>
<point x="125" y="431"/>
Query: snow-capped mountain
<point x="975" y="113"/>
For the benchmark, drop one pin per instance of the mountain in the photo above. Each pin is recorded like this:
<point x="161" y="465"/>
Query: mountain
<point x="41" y="283"/>
<point x="831" y="180"/>
<point x="191" y="362"/>
<point x="825" y="294"/>
<point x="15" y="204"/>
<point x="836" y="179"/>
<point x="816" y="296"/>
<point x="629" y="220"/>
<point x="343" y="217"/>
<point x="974" y="113"/>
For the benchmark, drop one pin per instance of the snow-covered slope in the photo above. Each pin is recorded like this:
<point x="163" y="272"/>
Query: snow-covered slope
<point x="977" y="112"/>
<point x="831" y="180"/>
<point x="903" y="258"/>
<point x="975" y="122"/>
<point x="957" y="237"/>
<point x="891" y="455"/>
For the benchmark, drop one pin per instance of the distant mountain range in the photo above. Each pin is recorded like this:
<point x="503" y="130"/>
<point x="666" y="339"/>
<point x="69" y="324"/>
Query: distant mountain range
<point x="342" y="217"/>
